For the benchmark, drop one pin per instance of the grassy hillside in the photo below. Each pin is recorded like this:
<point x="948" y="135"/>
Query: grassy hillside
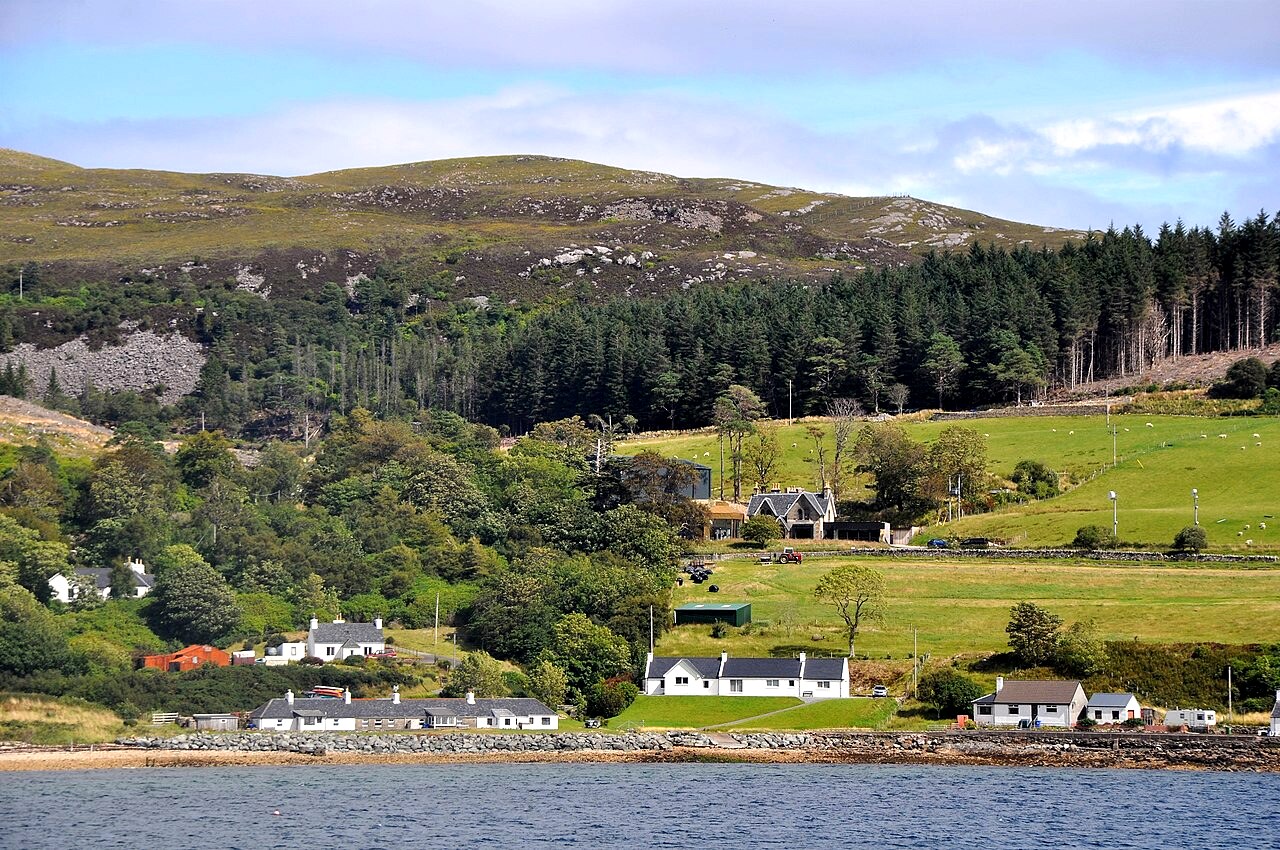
<point x="35" y="719"/>
<point x="961" y="607"/>
<point x="1160" y="459"/>
<point x="480" y="226"/>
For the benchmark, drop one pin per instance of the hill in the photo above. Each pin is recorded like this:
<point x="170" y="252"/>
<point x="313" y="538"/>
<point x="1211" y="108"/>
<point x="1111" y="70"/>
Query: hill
<point x="502" y="227"/>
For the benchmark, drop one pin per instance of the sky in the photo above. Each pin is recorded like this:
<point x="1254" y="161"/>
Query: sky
<point x="1079" y="114"/>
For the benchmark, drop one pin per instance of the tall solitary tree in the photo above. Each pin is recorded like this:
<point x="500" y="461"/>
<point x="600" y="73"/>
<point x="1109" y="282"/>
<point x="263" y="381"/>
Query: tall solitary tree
<point x="736" y="412"/>
<point x="856" y="591"/>
<point x="1033" y="633"/>
<point x="943" y="363"/>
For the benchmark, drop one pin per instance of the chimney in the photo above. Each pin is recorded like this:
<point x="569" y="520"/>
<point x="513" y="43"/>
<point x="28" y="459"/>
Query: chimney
<point x="648" y="661"/>
<point x="315" y="624"/>
<point x="802" y="657"/>
<point x="471" y="697"/>
<point x="346" y="696"/>
<point x="395" y="695"/>
<point x="338" y="620"/>
<point x="288" y="697"/>
<point x="137" y="566"/>
<point x="999" y="684"/>
<point x="377" y="623"/>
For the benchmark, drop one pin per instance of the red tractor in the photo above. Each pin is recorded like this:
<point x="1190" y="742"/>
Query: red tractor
<point x="790" y="556"/>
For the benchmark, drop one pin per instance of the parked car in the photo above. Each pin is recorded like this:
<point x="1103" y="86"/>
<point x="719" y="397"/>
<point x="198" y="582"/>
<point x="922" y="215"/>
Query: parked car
<point x="879" y="691"/>
<point x="938" y="543"/>
<point x="384" y="653"/>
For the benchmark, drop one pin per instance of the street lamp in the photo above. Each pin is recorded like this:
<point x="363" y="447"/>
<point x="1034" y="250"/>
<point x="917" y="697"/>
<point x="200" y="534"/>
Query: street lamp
<point x="1195" y="502"/>
<point x="1115" y="513"/>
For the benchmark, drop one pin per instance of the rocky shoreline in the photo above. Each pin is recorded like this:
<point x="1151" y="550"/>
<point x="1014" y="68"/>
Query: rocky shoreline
<point x="1045" y="749"/>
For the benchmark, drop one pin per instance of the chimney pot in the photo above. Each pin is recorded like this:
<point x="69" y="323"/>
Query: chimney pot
<point x="288" y="697"/>
<point x="377" y="622"/>
<point x="315" y="623"/>
<point x="395" y="695"/>
<point x="471" y="697"/>
<point x="346" y="696"/>
<point x="999" y="683"/>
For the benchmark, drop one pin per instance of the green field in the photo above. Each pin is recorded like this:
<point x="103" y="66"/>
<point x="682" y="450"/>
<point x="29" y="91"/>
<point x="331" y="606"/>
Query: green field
<point x="962" y="607"/>
<point x="829" y="714"/>
<point x="692" y="712"/>
<point x="1160" y="459"/>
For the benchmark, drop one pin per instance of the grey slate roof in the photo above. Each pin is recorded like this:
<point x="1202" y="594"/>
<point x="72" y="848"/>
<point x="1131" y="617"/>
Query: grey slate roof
<point x="1038" y="691"/>
<point x="761" y="668"/>
<point x="371" y="709"/>
<point x="824" y="668"/>
<point x="1275" y="712"/>
<point x="708" y="668"/>
<point x="342" y="632"/>
<point x="1109" y="700"/>
<point x="778" y="504"/>
<point x="102" y="577"/>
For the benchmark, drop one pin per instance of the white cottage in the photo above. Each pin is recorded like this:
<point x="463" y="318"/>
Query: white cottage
<point x="808" y="678"/>
<point x="1031" y="703"/>
<point x="340" y="639"/>
<point x="286" y="653"/>
<point x="64" y="589"/>
<point x="1106" y="709"/>
<point x="1275" y="717"/>
<point x="316" y="714"/>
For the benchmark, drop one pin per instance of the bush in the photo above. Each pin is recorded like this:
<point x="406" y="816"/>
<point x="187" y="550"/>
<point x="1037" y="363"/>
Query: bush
<point x="1035" y="479"/>
<point x="1086" y="722"/>
<point x="719" y="630"/>
<point x="949" y="691"/>
<point x="311" y="661"/>
<point x="1093" y="537"/>
<point x="611" y="698"/>
<point x="1245" y="378"/>
<point x="1132" y="723"/>
<point x="760" y="529"/>
<point x="1191" y="538"/>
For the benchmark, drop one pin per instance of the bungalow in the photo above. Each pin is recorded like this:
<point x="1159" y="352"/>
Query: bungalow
<point x="188" y="658"/>
<point x="340" y="639"/>
<point x="65" y="589"/>
<point x="1113" y="708"/>
<point x="286" y="653"/>
<point x="800" y="514"/>
<point x="318" y="714"/>
<point x="808" y="678"/>
<point x="1275" y="717"/>
<point x="1031" y="703"/>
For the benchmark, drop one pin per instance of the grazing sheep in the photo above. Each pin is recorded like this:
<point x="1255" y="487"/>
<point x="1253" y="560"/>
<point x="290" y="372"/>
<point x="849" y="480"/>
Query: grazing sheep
<point x="1222" y="436"/>
<point x="1262" y="525"/>
<point x="1256" y="436"/>
<point x="1149" y="425"/>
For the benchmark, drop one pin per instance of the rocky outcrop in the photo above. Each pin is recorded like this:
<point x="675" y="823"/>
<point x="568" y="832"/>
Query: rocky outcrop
<point x="143" y="361"/>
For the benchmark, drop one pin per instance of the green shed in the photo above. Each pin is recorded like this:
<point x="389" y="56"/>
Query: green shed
<point x="733" y="613"/>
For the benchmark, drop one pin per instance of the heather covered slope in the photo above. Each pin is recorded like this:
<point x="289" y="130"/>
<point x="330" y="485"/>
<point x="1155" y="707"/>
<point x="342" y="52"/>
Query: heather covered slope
<point x="508" y="227"/>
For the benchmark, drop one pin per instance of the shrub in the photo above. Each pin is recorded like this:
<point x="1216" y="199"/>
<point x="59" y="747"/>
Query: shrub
<point x="1035" y="479"/>
<point x="1191" y="538"/>
<point x="719" y="630"/>
<point x="1132" y="723"/>
<point x="1245" y="378"/>
<point x="311" y="661"/>
<point x="611" y="698"/>
<point x="760" y="529"/>
<point x="1093" y="537"/>
<point x="1086" y="722"/>
<point x="949" y="691"/>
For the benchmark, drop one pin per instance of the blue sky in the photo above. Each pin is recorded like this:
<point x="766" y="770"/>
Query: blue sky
<point x="1076" y="115"/>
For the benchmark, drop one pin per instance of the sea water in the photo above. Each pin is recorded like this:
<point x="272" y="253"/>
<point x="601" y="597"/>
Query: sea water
<point x="637" y="806"/>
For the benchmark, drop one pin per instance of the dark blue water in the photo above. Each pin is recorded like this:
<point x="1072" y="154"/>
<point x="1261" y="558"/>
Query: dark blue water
<point x="638" y="806"/>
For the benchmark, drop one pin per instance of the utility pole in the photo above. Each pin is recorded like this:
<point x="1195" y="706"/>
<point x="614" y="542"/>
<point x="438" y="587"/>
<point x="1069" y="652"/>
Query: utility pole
<point x="435" y="632"/>
<point x="722" y="467"/>
<point x="915" y="668"/>
<point x="1113" y="447"/>
<point x="1195" y="504"/>
<point x="20" y="271"/>
<point x="650" y="628"/>
<point x="1230" y="716"/>
<point x="788" y="402"/>
<point x="1115" y="513"/>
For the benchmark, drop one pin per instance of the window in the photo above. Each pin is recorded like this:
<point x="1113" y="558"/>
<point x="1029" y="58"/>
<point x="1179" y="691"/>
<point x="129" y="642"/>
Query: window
<point x="706" y="683"/>
<point x="1097" y="714"/>
<point x="735" y="686"/>
<point x="546" y="721"/>
<point x="1013" y="709"/>
<point x="1115" y="715"/>
<point x="771" y="683"/>
<point x="791" y="683"/>
<point x="822" y="685"/>
<point x="1051" y="709"/>
<point x="310" y="721"/>
<point x="328" y="650"/>
<point x="984" y="709"/>
<point x="377" y="724"/>
<point x="682" y="680"/>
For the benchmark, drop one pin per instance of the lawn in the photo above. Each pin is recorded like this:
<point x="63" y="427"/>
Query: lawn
<point x="829" y="714"/>
<point x="963" y="607"/>
<point x="692" y="712"/>
<point x="1237" y="475"/>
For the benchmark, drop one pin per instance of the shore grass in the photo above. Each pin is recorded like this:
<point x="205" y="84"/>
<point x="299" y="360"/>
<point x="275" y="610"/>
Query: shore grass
<point x="963" y="607"/>
<point x="48" y="721"/>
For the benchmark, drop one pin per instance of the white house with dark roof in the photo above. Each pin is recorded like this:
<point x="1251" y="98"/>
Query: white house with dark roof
<point x="64" y="589"/>
<point x="340" y="639"/>
<point x="1275" y="717"/>
<point x="1113" y="708"/>
<point x="318" y="714"/>
<point x="807" y="678"/>
<point x="1031" y="702"/>
<point x="802" y="515"/>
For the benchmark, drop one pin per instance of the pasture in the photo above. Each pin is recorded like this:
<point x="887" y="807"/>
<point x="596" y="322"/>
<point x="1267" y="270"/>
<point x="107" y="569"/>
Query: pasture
<point x="1234" y="463"/>
<point x="962" y="607"/>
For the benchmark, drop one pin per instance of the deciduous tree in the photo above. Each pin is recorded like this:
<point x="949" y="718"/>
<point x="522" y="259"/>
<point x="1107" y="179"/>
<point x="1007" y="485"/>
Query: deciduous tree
<point x="856" y="591"/>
